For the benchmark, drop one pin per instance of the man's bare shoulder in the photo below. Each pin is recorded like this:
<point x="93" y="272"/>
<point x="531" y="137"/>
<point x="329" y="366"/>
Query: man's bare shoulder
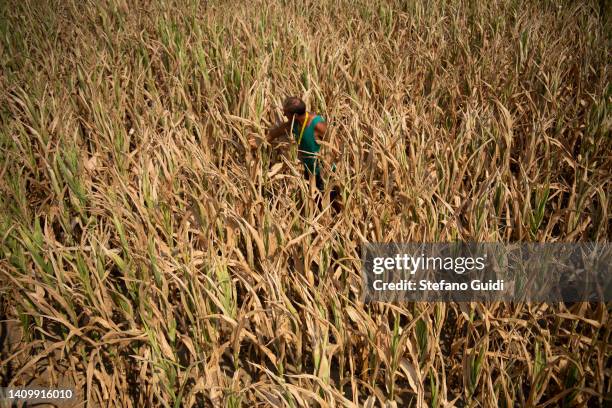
<point x="321" y="126"/>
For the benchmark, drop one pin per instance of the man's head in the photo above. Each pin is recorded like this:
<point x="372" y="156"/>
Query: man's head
<point x="293" y="106"/>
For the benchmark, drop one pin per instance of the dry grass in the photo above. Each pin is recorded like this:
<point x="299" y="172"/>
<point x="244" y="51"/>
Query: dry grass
<point x="149" y="258"/>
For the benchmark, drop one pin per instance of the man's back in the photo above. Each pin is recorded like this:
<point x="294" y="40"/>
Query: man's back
<point x="307" y="143"/>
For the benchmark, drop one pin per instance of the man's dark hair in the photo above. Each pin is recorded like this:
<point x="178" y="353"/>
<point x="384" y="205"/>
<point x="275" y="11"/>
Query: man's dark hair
<point x="294" y="105"/>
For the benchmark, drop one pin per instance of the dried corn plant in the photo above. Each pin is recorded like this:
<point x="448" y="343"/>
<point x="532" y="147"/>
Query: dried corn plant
<point x="148" y="257"/>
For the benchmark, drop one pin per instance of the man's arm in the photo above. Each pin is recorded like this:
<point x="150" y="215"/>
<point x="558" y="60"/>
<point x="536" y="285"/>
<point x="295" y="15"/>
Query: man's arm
<point x="278" y="131"/>
<point x="320" y="133"/>
<point x="272" y="134"/>
<point x="320" y="129"/>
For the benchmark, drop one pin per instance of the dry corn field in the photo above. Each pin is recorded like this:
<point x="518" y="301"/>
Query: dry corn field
<point x="150" y="257"/>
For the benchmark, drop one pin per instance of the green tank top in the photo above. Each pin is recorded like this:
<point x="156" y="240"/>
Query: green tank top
<point x="308" y="148"/>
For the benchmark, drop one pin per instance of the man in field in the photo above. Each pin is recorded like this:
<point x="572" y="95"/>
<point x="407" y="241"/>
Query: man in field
<point x="307" y="128"/>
